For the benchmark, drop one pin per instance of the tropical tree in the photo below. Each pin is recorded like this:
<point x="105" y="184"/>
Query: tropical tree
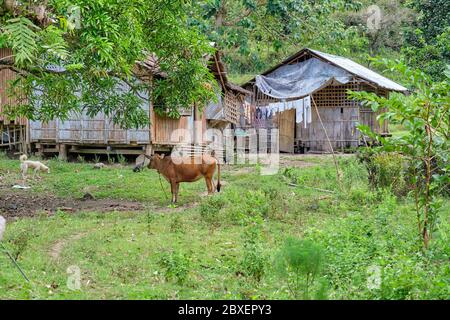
<point x="425" y="114"/>
<point x="73" y="55"/>
<point x="428" y="39"/>
<point x="383" y="29"/>
<point x="254" y="33"/>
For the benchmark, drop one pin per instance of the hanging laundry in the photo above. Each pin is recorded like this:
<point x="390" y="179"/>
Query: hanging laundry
<point x="307" y="112"/>
<point x="292" y="104"/>
<point x="265" y="113"/>
<point x="273" y="107"/>
<point x="288" y="105"/>
<point x="258" y="113"/>
<point x="298" y="110"/>
<point x="307" y="105"/>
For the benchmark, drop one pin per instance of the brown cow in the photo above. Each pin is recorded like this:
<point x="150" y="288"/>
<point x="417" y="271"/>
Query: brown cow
<point x="186" y="169"/>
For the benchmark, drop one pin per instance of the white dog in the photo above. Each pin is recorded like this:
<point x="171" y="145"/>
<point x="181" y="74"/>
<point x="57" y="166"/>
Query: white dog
<point x="35" y="165"/>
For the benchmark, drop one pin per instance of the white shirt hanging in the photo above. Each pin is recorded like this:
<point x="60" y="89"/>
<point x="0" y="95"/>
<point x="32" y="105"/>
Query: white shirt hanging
<point x="298" y="110"/>
<point x="307" y="110"/>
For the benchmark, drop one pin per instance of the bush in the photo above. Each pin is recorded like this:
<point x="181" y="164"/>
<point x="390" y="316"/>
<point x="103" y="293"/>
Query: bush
<point x="210" y="208"/>
<point x="253" y="263"/>
<point x="176" y="266"/>
<point x="251" y="204"/>
<point x="385" y="170"/>
<point x="300" y="263"/>
<point x="382" y="235"/>
<point x="19" y="241"/>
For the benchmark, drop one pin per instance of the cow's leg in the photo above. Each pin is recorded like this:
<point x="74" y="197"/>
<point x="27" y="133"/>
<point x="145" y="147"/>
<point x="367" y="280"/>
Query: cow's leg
<point x="176" y="191"/>
<point x="173" y="189"/>
<point x="209" y="185"/>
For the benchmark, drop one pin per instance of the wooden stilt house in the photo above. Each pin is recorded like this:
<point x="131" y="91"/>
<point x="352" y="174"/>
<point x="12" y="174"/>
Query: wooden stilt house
<point x="325" y="78"/>
<point x="81" y="134"/>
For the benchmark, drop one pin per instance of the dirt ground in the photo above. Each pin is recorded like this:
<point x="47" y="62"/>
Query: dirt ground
<point x="23" y="204"/>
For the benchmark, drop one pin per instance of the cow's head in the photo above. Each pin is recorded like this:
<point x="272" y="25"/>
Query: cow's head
<point x="155" y="160"/>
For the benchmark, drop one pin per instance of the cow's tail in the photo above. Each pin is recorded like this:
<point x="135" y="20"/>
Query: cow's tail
<point x="218" y="176"/>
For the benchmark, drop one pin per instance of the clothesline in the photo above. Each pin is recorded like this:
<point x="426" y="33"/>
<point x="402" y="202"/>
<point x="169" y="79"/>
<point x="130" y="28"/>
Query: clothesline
<point x="302" y="110"/>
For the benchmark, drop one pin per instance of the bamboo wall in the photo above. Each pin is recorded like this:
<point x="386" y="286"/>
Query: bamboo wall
<point x="231" y="107"/>
<point x="13" y="132"/>
<point x="340" y="117"/>
<point x="169" y="131"/>
<point x="81" y="129"/>
<point x="7" y="76"/>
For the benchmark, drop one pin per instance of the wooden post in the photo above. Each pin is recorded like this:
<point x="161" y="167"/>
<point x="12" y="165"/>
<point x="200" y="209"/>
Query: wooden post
<point x="198" y="132"/>
<point x="62" y="152"/>
<point x="148" y="149"/>
<point x="40" y="148"/>
<point x="9" y="137"/>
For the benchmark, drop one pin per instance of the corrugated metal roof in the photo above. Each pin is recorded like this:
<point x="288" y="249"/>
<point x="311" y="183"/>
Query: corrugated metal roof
<point x="360" y="71"/>
<point x="344" y="63"/>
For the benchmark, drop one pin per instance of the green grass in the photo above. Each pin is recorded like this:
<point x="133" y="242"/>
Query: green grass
<point x="114" y="181"/>
<point x="397" y="130"/>
<point x="120" y="254"/>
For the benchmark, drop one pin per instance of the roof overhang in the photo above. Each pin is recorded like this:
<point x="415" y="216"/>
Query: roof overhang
<point x="346" y="64"/>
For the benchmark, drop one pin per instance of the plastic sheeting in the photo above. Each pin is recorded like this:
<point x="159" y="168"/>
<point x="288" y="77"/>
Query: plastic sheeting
<point x="301" y="79"/>
<point x="361" y="71"/>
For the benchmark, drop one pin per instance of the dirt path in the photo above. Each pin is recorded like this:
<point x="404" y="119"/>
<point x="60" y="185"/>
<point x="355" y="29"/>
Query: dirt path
<point x="58" y="246"/>
<point x="174" y="209"/>
<point x="14" y="204"/>
<point x="24" y="204"/>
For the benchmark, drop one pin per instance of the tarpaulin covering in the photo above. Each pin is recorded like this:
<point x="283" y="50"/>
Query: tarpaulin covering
<point x="301" y="79"/>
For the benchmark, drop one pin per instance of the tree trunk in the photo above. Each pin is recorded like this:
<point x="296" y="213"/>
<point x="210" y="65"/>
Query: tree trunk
<point x="220" y="15"/>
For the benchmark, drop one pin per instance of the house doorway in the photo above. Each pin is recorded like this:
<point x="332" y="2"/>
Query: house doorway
<point x="286" y="127"/>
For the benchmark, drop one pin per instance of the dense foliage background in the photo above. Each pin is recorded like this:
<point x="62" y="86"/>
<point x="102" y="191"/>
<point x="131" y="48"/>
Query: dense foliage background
<point x="257" y="34"/>
<point x="98" y="43"/>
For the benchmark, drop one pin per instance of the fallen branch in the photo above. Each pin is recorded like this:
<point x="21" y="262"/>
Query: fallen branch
<point x="318" y="189"/>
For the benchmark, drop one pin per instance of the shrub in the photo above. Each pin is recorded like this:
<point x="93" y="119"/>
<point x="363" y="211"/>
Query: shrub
<point x="385" y="170"/>
<point x="122" y="159"/>
<point x="252" y="204"/>
<point x="383" y="235"/>
<point x="300" y="263"/>
<point x="210" y="208"/>
<point x="253" y="263"/>
<point x="276" y="201"/>
<point x="176" y="266"/>
<point x="20" y="240"/>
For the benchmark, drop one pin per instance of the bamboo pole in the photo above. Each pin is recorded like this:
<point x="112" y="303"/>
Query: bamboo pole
<point x="338" y="174"/>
